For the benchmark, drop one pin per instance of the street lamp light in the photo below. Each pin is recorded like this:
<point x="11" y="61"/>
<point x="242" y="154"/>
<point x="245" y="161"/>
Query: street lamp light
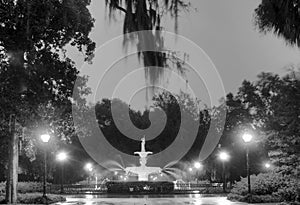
<point x="247" y="139"/>
<point x="224" y="156"/>
<point x="62" y="156"/>
<point x="45" y="139"/>
<point x="197" y="165"/>
<point x="267" y="165"/>
<point x="89" y="168"/>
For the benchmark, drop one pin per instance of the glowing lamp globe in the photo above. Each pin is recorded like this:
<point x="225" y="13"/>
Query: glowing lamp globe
<point x="89" y="167"/>
<point x="197" y="165"/>
<point x="45" y="138"/>
<point x="224" y="156"/>
<point x="267" y="165"/>
<point x="62" y="156"/>
<point x="247" y="137"/>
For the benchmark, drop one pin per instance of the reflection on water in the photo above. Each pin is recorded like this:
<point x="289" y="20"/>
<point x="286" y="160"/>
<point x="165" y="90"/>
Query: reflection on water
<point x="190" y="199"/>
<point x="101" y="196"/>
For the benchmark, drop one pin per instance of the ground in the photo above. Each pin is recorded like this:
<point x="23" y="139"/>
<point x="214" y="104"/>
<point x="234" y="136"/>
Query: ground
<point x="150" y="200"/>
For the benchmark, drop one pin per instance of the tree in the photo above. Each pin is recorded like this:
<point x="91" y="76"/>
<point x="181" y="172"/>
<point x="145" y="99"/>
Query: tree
<point x="35" y="71"/>
<point x="281" y="17"/>
<point x="141" y="17"/>
<point x="239" y="119"/>
<point x="274" y="105"/>
<point x="182" y="115"/>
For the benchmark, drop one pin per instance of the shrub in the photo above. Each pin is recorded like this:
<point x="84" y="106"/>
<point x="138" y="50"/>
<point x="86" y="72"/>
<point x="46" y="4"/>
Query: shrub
<point x="2" y="188"/>
<point x="25" y="187"/>
<point x="253" y="198"/>
<point x="30" y="187"/>
<point x="36" y="198"/>
<point x="266" y="187"/>
<point x="2" y="199"/>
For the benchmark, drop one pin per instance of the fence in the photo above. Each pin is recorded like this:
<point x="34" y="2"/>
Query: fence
<point x="78" y="189"/>
<point x="102" y="189"/>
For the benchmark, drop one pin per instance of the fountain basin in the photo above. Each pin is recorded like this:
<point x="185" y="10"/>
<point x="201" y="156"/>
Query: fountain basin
<point x="140" y="187"/>
<point x="143" y="172"/>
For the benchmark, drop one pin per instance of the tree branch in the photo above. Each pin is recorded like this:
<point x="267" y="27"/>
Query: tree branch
<point x="120" y="8"/>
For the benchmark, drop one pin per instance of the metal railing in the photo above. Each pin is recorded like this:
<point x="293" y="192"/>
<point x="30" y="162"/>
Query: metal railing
<point x="102" y="189"/>
<point x="78" y="189"/>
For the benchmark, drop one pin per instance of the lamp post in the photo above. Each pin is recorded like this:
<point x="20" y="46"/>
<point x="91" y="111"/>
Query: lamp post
<point x="267" y="165"/>
<point x="247" y="139"/>
<point x="197" y="165"/>
<point x="89" y="168"/>
<point x="45" y="139"/>
<point x="224" y="156"/>
<point x="62" y="156"/>
<point x="190" y="174"/>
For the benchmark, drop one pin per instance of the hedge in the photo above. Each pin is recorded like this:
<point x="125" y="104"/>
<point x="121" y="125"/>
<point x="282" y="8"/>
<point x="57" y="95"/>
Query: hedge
<point x="266" y="187"/>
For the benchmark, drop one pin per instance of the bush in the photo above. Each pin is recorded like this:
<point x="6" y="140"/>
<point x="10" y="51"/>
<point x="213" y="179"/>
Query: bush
<point x="36" y="198"/>
<point x="2" y="188"/>
<point x="266" y="187"/>
<point x="253" y="198"/>
<point x="25" y="187"/>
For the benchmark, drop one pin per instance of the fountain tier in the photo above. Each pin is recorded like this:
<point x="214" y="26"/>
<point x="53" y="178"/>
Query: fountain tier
<point x="143" y="171"/>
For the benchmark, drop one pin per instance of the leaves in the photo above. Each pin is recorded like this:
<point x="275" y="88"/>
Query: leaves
<point x="282" y="17"/>
<point x="36" y="81"/>
<point x="32" y="25"/>
<point x="141" y="18"/>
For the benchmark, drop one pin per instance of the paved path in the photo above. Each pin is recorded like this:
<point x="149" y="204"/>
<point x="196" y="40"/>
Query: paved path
<point x="150" y="200"/>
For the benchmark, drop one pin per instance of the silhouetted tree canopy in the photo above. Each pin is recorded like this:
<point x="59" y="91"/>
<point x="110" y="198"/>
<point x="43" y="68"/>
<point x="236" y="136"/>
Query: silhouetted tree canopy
<point x="37" y="79"/>
<point x="146" y="15"/>
<point x="282" y="17"/>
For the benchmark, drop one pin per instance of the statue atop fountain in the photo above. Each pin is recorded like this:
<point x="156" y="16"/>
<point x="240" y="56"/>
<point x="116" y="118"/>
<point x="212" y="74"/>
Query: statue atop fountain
<point x="143" y="171"/>
<point x="143" y="143"/>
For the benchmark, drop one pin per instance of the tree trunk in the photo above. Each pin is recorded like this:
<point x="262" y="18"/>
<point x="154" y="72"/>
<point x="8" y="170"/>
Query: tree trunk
<point x="12" y="176"/>
<point x="16" y="62"/>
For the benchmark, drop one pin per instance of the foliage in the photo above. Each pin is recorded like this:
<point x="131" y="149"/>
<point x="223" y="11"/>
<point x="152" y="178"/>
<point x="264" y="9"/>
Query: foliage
<point x="146" y="15"/>
<point x="275" y="105"/>
<point x="37" y="198"/>
<point x="267" y="187"/>
<point x="176" y="108"/>
<point x="2" y="188"/>
<point x="281" y="17"/>
<point x="253" y="198"/>
<point x="238" y="121"/>
<point x="34" y="26"/>
<point x="269" y="109"/>
<point x="25" y="187"/>
<point x="37" y="79"/>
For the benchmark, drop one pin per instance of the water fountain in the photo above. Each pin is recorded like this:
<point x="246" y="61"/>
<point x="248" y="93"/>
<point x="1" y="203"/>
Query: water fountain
<point x="143" y="171"/>
<point x="142" y="185"/>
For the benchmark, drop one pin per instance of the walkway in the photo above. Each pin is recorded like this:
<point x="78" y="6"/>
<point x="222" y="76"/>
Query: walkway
<point x="149" y="200"/>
